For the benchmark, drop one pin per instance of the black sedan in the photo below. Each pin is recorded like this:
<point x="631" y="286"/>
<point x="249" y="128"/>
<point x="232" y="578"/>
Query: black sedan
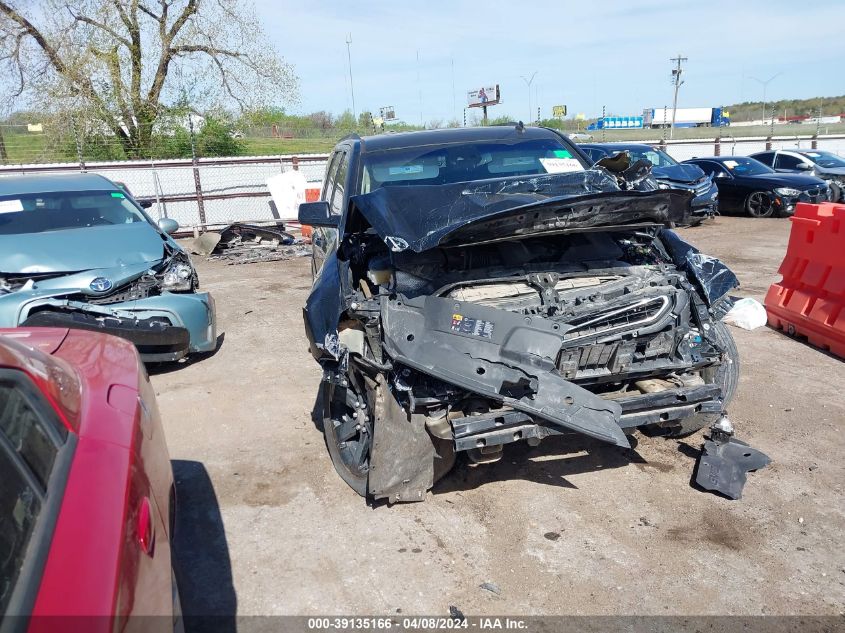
<point x="810" y="162"/>
<point x="669" y="173"/>
<point x="747" y="185"/>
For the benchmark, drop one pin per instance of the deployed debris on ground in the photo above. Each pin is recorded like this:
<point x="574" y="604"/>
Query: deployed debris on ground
<point x="241" y="243"/>
<point x="726" y="460"/>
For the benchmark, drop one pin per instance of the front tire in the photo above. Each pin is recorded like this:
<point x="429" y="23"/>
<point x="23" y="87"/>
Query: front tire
<point x="759" y="204"/>
<point x="347" y="429"/>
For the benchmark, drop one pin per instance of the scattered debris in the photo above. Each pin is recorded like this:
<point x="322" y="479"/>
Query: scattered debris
<point x="491" y="587"/>
<point x="749" y="314"/>
<point x="456" y="614"/>
<point x="725" y="461"/>
<point x="646" y="523"/>
<point x="241" y="243"/>
<point x="552" y="536"/>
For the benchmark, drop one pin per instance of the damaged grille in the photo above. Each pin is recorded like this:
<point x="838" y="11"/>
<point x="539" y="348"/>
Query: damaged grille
<point x="638" y="314"/>
<point x="615" y="357"/>
<point x="138" y="289"/>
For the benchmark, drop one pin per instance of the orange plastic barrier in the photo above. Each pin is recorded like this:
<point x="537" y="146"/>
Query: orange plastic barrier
<point x="311" y="195"/>
<point x="810" y="299"/>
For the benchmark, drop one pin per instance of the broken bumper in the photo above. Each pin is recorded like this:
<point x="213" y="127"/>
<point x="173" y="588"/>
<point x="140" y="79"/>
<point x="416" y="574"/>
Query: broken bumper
<point x="164" y="328"/>
<point x="512" y="359"/>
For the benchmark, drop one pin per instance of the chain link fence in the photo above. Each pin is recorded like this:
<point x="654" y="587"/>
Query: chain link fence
<point x="210" y="191"/>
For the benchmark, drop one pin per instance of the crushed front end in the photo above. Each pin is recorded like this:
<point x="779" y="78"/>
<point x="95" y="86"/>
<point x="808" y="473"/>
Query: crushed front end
<point x="155" y="306"/>
<point x="529" y="308"/>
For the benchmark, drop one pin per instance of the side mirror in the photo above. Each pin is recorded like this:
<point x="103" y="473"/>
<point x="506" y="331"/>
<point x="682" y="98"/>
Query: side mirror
<point x="804" y="167"/>
<point x="317" y="214"/>
<point x="168" y="225"/>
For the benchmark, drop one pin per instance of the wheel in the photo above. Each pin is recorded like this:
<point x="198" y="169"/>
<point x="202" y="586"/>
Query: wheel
<point x="348" y="429"/>
<point x="726" y="375"/>
<point x="348" y="416"/>
<point x="759" y="205"/>
<point x="835" y="192"/>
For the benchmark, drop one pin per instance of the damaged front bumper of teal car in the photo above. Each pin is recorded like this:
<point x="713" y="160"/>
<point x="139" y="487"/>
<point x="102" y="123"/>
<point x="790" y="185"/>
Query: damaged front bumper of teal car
<point x="164" y="327"/>
<point x="83" y="255"/>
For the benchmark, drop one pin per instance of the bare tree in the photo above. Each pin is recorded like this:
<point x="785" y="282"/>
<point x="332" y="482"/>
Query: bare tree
<point x="126" y="61"/>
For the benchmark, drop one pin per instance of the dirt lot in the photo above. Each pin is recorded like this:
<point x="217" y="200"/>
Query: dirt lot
<point x="565" y="528"/>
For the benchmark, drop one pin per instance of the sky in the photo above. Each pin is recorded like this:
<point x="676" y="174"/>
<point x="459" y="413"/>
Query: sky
<point x="423" y="57"/>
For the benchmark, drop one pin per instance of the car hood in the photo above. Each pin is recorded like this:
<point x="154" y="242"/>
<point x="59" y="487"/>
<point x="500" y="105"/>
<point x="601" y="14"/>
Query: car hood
<point x="424" y="217"/>
<point x="81" y="249"/>
<point x="679" y="173"/>
<point x="830" y="171"/>
<point x="799" y="181"/>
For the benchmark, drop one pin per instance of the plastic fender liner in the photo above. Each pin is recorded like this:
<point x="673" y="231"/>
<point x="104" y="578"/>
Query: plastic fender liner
<point x="402" y="458"/>
<point x="499" y="355"/>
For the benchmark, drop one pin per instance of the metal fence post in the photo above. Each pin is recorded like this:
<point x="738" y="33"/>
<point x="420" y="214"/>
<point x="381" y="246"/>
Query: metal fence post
<point x="195" y="163"/>
<point x="74" y="121"/>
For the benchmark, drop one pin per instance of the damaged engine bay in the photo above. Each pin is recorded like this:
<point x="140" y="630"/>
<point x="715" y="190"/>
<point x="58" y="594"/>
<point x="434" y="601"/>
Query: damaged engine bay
<point x="512" y="311"/>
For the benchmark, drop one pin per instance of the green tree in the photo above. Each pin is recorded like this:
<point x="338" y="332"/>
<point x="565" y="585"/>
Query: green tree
<point x="123" y="61"/>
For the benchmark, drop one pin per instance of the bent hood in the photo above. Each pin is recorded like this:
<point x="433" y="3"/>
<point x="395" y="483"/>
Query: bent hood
<point x="830" y="171"/>
<point x="424" y="217"/>
<point x="80" y="249"/>
<point x="679" y="173"/>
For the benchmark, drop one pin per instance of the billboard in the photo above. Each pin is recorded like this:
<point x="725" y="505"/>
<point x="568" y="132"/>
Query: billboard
<point x="559" y="111"/>
<point x="388" y="113"/>
<point x="483" y="96"/>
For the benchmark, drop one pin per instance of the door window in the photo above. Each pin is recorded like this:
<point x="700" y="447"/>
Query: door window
<point x="765" y="158"/>
<point x="785" y="161"/>
<point x="331" y="174"/>
<point x="340" y="185"/>
<point x="31" y="442"/>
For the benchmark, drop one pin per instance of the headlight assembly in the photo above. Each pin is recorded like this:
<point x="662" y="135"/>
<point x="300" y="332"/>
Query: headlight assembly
<point x="178" y="277"/>
<point x="787" y="191"/>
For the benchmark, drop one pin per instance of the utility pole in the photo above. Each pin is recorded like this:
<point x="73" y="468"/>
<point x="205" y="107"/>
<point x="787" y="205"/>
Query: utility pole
<point x="419" y="88"/>
<point x="351" y="85"/>
<point x="454" y="102"/>
<point x="528" y="83"/>
<point x="676" y="79"/>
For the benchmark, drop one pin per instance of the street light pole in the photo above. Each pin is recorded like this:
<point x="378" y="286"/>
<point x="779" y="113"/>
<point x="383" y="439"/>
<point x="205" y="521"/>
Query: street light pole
<point x="351" y="85"/>
<point x="765" y="85"/>
<point x="528" y="83"/>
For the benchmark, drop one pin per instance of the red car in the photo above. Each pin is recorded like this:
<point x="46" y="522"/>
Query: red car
<point x="87" y="497"/>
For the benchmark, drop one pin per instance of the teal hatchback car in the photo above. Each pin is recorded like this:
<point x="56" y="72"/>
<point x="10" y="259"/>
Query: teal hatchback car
<point x="78" y="251"/>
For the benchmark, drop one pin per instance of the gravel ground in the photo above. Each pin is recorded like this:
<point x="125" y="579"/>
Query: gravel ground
<point x="267" y="527"/>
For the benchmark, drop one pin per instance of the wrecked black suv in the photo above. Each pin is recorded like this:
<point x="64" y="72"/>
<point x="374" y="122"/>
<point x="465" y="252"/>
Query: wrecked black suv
<point x="481" y="286"/>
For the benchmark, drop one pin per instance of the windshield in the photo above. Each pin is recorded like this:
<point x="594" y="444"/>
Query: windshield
<point x="447" y="164"/>
<point x="59" y="211"/>
<point x="654" y="156"/>
<point x="741" y="166"/>
<point x="825" y="159"/>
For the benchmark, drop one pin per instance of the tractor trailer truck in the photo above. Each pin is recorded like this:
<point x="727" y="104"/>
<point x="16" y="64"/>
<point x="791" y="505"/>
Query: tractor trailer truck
<point x="686" y="117"/>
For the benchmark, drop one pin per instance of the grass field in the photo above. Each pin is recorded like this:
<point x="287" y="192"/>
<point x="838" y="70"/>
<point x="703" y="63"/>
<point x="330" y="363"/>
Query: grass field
<point x="25" y="148"/>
